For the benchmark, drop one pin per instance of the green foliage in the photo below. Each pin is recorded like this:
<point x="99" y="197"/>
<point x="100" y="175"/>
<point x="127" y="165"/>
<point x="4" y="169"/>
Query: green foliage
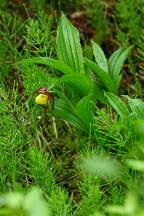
<point x="117" y="104"/>
<point x="68" y="45"/>
<point x="84" y="109"/>
<point x="52" y="63"/>
<point x="80" y="117"/>
<point x="10" y="31"/>
<point x="4" y="104"/>
<point x="115" y="63"/>
<point x="79" y="82"/>
<point x="35" y="77"/>
<point x="137" y="108"/>
<point x="38" y="37"/>
<point x="129" y="20"/>
<point x="92" y="196"/>
<point x="100" y="57"/>
<point x="85" y="153"/>
<point x="96" y="15"/>
<point x="108" y="71"/>
<point x="104" y="78"/>
<point x="70" y="55"/>
<point x="65" y="110"/>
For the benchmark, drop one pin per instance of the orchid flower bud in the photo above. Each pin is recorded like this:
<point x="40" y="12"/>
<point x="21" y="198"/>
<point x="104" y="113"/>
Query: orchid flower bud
<point x="42" y="99"/>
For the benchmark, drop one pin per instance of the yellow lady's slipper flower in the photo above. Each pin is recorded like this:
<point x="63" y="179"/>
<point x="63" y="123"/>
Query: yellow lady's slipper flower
<point x="42" y="99"/>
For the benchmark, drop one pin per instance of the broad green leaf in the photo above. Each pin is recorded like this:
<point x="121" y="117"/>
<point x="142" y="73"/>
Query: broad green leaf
<point x="52" y="63"/>
<point x="119" y="106"/>
<point x="137" y="107"/>
<point x="138" y="126"/>
<point x="115" y="63"/>
<point x="79" y="82"/>
<point x="100" y="57"/>
<point x="99" y="94"/>
<point x="65" y="110"/>
<point x="68" y="45"/>
<point x="84" y="109"/>
<point x="102" y="75"/>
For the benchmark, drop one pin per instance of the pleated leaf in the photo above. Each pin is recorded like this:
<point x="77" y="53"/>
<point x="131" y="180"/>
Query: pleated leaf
<point x="84" y="109"/>
<point x="68" y="45"/>
<point x="65" y="110"/>
<point x="78" y="82"/>
<point x="137" y="107"/>
<point x="100" y="57"/>
<point x="118" y="105"/>
<point x="115" y="63"/>
<point x="52" y="63"/>
<point x="102" y="75"/>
